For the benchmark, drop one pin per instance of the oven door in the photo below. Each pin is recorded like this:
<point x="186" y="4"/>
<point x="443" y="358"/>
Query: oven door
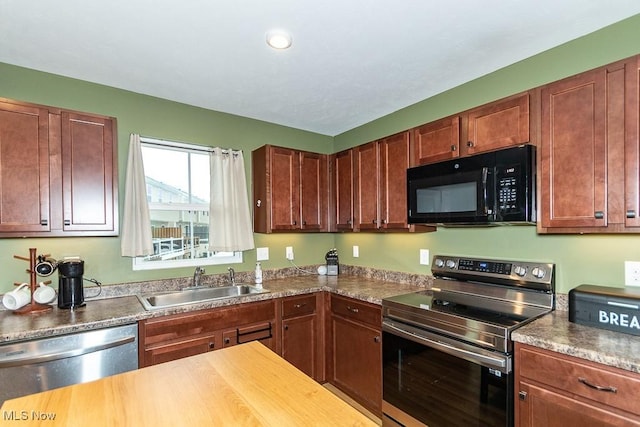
<point x="433" y="380"/>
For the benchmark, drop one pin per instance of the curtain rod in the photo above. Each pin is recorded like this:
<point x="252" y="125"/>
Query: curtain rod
<point x="182" y="145"/>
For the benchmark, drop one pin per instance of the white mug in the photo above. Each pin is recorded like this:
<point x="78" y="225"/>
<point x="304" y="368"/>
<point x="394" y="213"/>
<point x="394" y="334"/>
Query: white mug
<point x="44" y="294"/>
<point x="18" y="297"/>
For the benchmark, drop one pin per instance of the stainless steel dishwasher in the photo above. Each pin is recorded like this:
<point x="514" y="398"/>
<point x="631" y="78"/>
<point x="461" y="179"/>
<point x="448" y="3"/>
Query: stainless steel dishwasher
<point x="32" y="366"/>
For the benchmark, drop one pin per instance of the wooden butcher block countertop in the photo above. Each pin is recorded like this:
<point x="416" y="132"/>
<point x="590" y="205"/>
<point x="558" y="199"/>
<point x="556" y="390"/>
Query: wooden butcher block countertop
<point x="243" y="385"/>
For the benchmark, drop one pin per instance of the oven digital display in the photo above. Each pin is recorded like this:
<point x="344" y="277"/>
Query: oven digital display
<point x="485" y="266"/>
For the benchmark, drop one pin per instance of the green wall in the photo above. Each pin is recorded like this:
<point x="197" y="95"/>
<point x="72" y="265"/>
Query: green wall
<point x="580" y="259"/>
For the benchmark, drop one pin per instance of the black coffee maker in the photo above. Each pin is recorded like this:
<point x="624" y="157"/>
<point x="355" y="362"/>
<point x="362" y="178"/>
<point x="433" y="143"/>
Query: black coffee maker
<point x="70" y="289"/>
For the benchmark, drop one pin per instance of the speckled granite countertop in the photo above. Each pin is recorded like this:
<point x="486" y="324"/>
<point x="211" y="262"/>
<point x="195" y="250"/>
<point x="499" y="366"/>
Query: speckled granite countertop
<point x="123" y="309"/>
<point x="554" y="332"/>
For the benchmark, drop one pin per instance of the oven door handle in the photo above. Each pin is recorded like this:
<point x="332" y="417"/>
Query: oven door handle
<point x="472" y="356"/>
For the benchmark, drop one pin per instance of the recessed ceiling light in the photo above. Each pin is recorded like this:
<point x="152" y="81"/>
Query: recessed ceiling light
<point x="279" y="39"/>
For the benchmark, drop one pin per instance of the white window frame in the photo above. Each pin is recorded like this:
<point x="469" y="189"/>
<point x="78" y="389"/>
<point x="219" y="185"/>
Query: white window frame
<point x="219" y="258"/>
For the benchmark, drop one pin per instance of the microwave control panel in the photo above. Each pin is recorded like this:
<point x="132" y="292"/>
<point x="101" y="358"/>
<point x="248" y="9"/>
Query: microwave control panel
<point x="508" y="178"/>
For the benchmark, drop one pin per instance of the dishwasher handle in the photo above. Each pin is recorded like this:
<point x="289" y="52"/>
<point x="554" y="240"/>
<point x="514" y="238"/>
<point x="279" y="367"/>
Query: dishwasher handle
<point x="29" y="358"/>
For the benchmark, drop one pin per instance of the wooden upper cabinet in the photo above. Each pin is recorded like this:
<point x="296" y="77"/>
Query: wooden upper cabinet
<point x="437" y="141"/>
<point x="24" y="168"/>
<point x="290" y="190"/>
<point x="89" y="178"/>
<point x="588" y="151"/>
<point x="497" y="125"/>
<point x="58" y="172"/>
<point x="394" y="161"/>
<point x="367" y="186"/>
<point x="632" y="145"/>
<point x="314" y="195"/>
<point x="343" y="189"/>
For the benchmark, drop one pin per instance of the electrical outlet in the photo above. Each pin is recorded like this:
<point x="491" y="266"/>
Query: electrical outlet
<point x="356" y="251"/>
<point x="424" y="256"/>
<point x="632" y="273"/>
<point x="262" y="254"/>
<point x="289" y="253"/>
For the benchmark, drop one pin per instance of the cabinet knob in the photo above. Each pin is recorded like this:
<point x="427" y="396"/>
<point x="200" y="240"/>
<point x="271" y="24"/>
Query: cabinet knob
<point x="286" y="327"/>
<point x="258" y="203"/>
<point x="470" y="144"/>
<point x="295" y="222"/>
<point x="376" y="338"/>
<point x="227" y="340"/>
<point x="631" y="213"/>
<point x="211" y="345"/>
<point x="522" y="395"/>
<point x="453" y="148"/>
<point x="598" y="214"/>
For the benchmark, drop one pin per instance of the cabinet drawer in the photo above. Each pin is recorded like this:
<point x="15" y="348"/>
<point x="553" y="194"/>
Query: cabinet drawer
<point x="298" y="306"/>
<point x="356" y="310"/>
<point x="579" y="378"/>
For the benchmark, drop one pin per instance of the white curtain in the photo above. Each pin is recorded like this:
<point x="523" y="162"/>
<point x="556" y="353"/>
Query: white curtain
<point x="230" y="227"/>
<point x="136" y="223"/>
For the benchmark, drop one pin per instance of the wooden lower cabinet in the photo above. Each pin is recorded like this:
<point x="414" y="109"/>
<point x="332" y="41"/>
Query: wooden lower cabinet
<point x="552" y="389"/>
<point x="302" y="338"/>
<point x="181" y="335"/>
<point x="355" y="350"/>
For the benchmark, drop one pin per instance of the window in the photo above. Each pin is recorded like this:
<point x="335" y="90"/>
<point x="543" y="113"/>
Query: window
<point x="178" y="188"/>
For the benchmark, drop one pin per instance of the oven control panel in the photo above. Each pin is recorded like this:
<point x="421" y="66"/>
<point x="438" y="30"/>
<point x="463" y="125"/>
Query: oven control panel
<point x="486" y="270"/>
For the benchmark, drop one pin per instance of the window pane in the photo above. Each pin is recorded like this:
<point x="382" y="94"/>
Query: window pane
<point x="167" y="173"/>
<point x="200" y="182"/>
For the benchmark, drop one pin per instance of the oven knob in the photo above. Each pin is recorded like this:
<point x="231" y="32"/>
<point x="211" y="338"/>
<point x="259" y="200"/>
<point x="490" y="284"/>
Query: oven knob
<point x="538" y="272"/>
<point x="451" y="263"/>
<point x="520" y="270"/>
<point x="439" y="263"/>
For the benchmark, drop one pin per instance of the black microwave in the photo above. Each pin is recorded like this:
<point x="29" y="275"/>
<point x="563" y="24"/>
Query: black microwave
<point x="485" y="189"/>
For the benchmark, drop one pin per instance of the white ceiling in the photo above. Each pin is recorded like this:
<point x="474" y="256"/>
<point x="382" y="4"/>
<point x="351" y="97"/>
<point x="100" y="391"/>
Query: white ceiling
<point x="352" y="61"/>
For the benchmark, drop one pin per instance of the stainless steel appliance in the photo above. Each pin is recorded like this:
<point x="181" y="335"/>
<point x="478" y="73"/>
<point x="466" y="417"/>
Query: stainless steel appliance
<point x="447" y="352"/>
<point x="38" y="365"/>
<point x="490" y="188"/>
<point x="70" y="283"/>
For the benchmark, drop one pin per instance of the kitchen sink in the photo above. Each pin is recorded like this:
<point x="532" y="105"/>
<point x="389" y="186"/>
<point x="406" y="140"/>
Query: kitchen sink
<point x="191" y="296"/>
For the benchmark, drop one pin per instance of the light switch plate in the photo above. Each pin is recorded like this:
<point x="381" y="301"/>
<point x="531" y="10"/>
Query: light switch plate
<point x="424" y="256"/>
<point x="262" y="254"/>
<point x="356" y="251"/>
<point x="289" y="253"/>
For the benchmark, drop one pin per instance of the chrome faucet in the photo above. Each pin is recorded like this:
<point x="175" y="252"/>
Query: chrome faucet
<point x="232" y="276"/>
<point x="197" y="276"/>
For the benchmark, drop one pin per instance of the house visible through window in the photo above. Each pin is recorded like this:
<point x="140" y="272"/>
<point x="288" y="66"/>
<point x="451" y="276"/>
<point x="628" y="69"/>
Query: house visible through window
<point x="178" y="192"/>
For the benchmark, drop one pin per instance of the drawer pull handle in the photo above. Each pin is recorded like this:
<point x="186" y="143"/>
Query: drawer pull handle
<point x="609" y="389"/>
<point x="299" y="305"/>
<point x="352" y="309"/>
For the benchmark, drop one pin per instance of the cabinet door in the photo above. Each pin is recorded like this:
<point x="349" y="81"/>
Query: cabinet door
<point x="285" y="189"/>
<point x="498" y="125"/>
<point x="541" y="407"/>
<point x="394" y="161"/>
<point x="632" y="146"/>
<point x="343" y="171"/>
<point x="572" y="152"/>
<point x="89" y="177"/>
<point x="24" y="168"/>
<point x="313" y="191"/>
<point x="436" y="141"/>
<point x="357" y="362"/>
<point x="299" y="338"/>
<point x="367" y="191"/>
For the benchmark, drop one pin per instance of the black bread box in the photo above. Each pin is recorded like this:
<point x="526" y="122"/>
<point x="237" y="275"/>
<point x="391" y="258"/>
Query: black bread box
<point x="616" y="309"/>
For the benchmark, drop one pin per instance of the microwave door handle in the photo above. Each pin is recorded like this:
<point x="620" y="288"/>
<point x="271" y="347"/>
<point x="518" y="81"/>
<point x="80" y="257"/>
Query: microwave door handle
<point x="485" y="197"/>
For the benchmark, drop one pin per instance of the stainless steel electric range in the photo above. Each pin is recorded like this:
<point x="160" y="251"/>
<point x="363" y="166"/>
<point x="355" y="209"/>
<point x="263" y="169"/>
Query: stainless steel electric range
<point x="447" y="351"/>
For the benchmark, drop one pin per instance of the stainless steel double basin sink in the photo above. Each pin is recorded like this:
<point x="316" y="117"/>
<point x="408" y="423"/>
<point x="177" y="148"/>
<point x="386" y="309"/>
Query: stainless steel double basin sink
<point x="191" y="296"/>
